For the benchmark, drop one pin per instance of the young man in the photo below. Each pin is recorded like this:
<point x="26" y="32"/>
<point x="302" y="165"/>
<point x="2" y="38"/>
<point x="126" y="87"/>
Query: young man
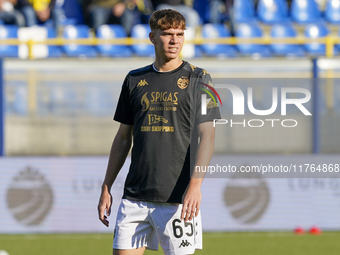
<point x="160" y="105"/>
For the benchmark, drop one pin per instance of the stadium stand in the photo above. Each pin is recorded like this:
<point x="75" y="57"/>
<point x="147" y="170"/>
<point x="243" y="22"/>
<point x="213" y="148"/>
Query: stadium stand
<point x="110" y="32"/>
<point x="74" y="50"/>
<point x="273" y="16"/>
<point x="219" y="50"/>
<point x="8" y="31"/>
<point x="332" y="11"/>
<point x="272" y="11"/>
<point x="314" y="31"/>
<point x="244" y="11"/>
<point x="249" y="30"/>
<point x="285" y="30"/>
<point x="190" y="50"/>
<point x="141" y="31"/>
<point x="305" y="11"/>
<point x="73" y="12"/>
<point x="53" y="50"/>
<point x="37" y="34"/>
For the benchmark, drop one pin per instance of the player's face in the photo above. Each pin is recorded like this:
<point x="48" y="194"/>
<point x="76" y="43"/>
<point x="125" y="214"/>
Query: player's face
<point x="168" y="43"/>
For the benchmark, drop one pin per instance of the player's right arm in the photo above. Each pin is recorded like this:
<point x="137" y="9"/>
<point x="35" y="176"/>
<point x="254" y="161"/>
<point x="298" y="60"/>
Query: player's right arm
<point x="119" y="151"/>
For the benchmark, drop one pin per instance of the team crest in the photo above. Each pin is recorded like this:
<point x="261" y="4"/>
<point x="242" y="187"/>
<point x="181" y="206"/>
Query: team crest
<point x="142" y="83"/>
<point x="183" y="82"/>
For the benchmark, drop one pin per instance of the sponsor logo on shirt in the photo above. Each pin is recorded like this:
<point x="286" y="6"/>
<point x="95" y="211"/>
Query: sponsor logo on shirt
<point x="159" y="101"/>
<point x="145" y="102"/>
<point x="142" y="83"/>
<point x="153" y="118"/>
<point x="183" y="82"/>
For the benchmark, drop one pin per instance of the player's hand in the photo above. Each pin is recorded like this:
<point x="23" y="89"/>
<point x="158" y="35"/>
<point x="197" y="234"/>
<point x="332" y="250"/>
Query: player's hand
<point x="104" y="205"/>
<point x="192" y="202"/>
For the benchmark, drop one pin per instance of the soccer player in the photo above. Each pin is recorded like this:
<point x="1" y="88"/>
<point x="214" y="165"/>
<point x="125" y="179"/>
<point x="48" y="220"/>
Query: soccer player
<point x="159" y="108"/>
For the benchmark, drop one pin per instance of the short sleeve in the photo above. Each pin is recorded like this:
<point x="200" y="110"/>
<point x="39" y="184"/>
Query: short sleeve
<point x="212" y="110"/>
<point x="124" y="113"/>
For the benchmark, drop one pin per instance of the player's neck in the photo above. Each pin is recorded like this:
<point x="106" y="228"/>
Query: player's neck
<point x="166" y="66"/>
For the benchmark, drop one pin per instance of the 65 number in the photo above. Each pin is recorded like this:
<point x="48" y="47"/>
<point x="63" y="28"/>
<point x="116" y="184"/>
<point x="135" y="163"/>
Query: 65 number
<point x="178" y="230"/>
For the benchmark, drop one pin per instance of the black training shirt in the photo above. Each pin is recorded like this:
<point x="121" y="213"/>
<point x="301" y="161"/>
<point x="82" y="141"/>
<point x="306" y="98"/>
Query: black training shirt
<point x="165" y="109"/>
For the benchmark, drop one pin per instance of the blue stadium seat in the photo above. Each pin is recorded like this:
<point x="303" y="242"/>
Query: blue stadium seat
<point x="213" y="49"/>
<point x="75" y="50"/>
<point x="314" y="31"/>
<point x="141" y="31"/>
<point x="189" y="49"/>
<point x="305" y="11"/>
<point x="249" y="30"/>
<point x="272" y="11"/>
<point x="244" y="11"/>
<point x="285" y="30"/>
<point x="332" y="11"/>
<point x="110" y="32"/>
<point x="8" y="31"/>
<point x="54" y="51"/>
<point x="73" y="12"/>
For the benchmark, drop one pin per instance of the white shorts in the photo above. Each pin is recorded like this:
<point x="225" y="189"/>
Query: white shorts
<point x="147" y="224"/>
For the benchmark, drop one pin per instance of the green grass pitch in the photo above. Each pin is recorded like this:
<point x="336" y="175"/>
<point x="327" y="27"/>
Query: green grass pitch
<point x="245" y="243"/>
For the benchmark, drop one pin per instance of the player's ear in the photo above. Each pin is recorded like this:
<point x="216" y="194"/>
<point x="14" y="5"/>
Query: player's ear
<point x="152" y="37"/>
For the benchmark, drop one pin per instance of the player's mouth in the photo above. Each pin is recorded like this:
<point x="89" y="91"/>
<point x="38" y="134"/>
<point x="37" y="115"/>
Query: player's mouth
<point x="173" y="49"/>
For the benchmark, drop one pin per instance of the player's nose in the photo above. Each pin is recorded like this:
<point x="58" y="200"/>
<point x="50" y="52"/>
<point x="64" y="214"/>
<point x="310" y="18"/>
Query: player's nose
<point x="174" y="39"/>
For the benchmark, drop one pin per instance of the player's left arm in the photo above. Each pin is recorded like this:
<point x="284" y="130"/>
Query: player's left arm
<point x="192" y="199"/>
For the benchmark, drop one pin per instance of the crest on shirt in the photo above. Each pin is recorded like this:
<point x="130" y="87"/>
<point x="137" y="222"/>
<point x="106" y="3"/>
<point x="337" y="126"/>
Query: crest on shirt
<point x="142" y="83"/>
<point x="183" y="82"/>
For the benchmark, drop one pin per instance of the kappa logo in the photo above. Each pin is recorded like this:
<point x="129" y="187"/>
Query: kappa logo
<point x="142" y="83"/>
<point x="184" y="244"/>
<point x="153" y="118"/>
<point x="183" y="82"/>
